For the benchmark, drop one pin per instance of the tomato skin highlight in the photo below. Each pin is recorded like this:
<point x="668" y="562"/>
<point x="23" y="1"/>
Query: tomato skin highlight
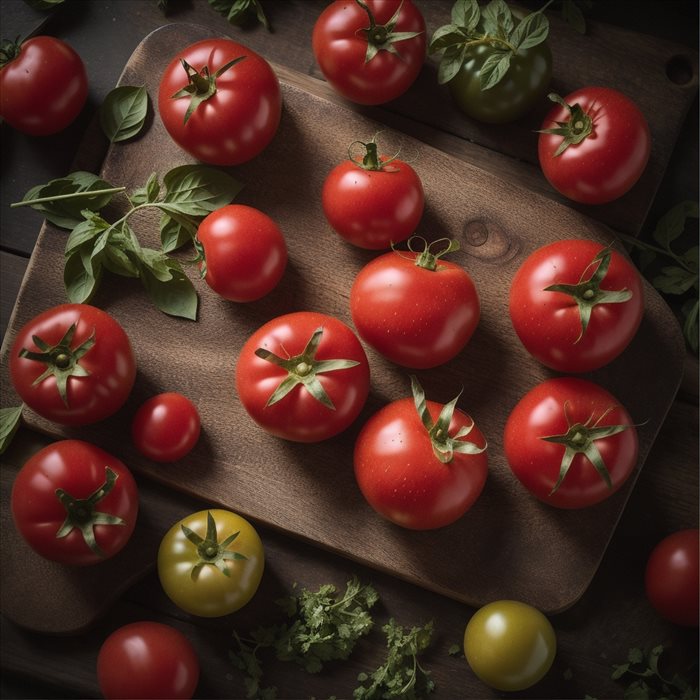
<point x="402" y="479"/>
<point x="147" y="660"/>
<point x="413" y="316"/>
<point x="672" y="578"/>
<point x="44" y="88"/>
<point x="166" y="427"/>
<point x="245" y="254"/>
<point x="79" y="468"/>
<point x="608" y="162"/>
<point x="299" y="416"/>
<point x="110" y="365"/>
<point x="235" y="124"/>
<point x="509" y="645"/>
<point x="547" y="410"/>
<point x="340" y="49"/>
<point x="548" y="323"/>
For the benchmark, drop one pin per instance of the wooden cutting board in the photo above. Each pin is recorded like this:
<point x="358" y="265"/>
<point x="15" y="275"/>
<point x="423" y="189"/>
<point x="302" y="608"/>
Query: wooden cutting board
<point x="508" y="545"/>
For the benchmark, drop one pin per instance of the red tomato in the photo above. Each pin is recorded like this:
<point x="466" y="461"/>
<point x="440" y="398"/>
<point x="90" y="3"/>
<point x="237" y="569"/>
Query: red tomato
<point x="303" y="376"/>
<point x="671" y="579"/>
<point x="570" y="442"/>
<point x="418" y="468"/>
<point x="413" y="308"/>
<point x="73" y="364"/>
<point x="75" y="503"/>
<point x="43" y="85"/>
<point x="166" y="427"/>
<point x="220" y="111"/>
<point x="147" y="660"/>
<point x="244" y="252"/>
<point x="576" y="304"/>
<point x="371" y="54"/>
<point x="373" y="203"/>
<point x="606" y="145"/>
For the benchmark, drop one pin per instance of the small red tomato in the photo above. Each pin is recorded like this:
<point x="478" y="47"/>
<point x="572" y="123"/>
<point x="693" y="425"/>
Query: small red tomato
<point x="373" y="203"/>
<point x="672" y="578"/>
<point x="147" y="660"/>
<point x="243" y="251"/>
<point x="166" y="427"/>
<point x="594" y="145"/>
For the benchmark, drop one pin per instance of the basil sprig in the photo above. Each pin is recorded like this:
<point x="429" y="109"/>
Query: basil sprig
<point x="123" y="112"/>
<point x="493" y="26"/>
<point x="95" y="244"/>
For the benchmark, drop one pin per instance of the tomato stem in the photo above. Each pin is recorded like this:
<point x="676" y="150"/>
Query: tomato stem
<point x="382" y="37"/>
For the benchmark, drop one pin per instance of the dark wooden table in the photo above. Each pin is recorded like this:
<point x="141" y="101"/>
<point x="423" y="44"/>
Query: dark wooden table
<point x="612" y="615"/>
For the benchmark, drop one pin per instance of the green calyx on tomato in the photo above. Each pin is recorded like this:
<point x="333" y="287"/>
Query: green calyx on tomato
<point x="304" y="369"/>
<point x="575" y="129"/>
<point x="587" y="292"/>
<point x="81" y="513"/>
<point x="61" y="360"/>
<point x="444" y="444"/>
<point x="200" y="86"/>
<point x="427" y="258"/>
<point x="370" y="158"/>
<point x="493" y="27"/>
<point x="9" y="50"/>
<point x="211" y="552"/>
<point x="382" y="37"/>
<point x="580" y="439"/>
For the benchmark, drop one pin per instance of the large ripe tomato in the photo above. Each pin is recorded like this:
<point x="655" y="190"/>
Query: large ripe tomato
<point x="303" y="376"/>
<point x="211" y="562"/>
<point x="672" y="577"/>
<point x="509" y="645"/>
<point x="166" y="427"/>
<point x="420" y="464"/>
<point x="414" y="308"/>
<point x="147" y="660"/>
<point x="373" y="203"/>
<point x="43" y="85"/>
<point x="75" y="503"/>
<point x="220" y="101"/>
<point x="576" y="304"/>
<point x="594" y="145"/>
<point x="243" y="252"/>
<point x="371" y="51"/>
<point x="73" y="364"/>
<point x="570" y="442"/>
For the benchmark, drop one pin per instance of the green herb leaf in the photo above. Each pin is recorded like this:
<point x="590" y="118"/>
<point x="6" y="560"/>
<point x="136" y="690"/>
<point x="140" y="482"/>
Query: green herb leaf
<point x="494" y="69"/>
<point x="672" y="224"/>
<point x="123" y="112"/>
<point x="533" y="30"/>
<point x="176" y="231"/>
<point x="10" y="419"/>
<point x="197" y="190"/>
<point x="466" y="14"/>
<point x="451" y="63"/>
<point x="573" y="16"/>
<point x="167" y="285"/>
<point x="239" y="12"/>
<point x="675" y="280"/>
<point x="497" y="19"/>
<point x="148" y="194"/>
<point x="81" y="276"/>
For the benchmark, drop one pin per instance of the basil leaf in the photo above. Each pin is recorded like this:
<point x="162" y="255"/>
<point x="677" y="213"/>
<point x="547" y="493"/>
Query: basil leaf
<point x="81" y="277"/>
<point x="497" y="19"/>
<point x="148" y="193"/>
<point x="466" y="14"/>
<point x="674" y="280"/>
<point x="533" y="30"/>
<point x="199" y="190"/>
<point x="672" y="224"/>
<point x="239" y="11"/>
<point x="168" y="286"/>
<point x="175" y="231"/>
<point x="494" y="68"/>
<point x="10" y="419"/>
<point x="85" y="232"/>
<point x="446" y="36"/>
<point x="123" y="112"/>
<point x="115" y="260"/>
<point x="451" y="64"/>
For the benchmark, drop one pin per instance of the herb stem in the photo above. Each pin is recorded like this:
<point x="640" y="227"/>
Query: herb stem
<point x="657" y="249"/>
<point x="72" y="195"/>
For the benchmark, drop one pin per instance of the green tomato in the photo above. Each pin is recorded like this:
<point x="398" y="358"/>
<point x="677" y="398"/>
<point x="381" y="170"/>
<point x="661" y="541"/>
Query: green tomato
<point x="211" y="562"/>
<point x="525" y="82"/>
<point x="509" y="645"/>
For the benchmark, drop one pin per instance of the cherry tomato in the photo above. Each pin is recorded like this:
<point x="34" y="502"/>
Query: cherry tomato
<point x="414" y="308"/>
<point x="576" y="304"/>
<point x="75" y="503"/>
<point x="370" y="52"/>
<point x="570" y="442"/>
<point x="373" y="203"/>
<point x="43" y="85"/>
<point x="166" y="427"/>
<point x="303" y="376"/>
<point x="243" y="250"/>
<point x="420" y="464"/>
<point x="509" y="645"/>
<point x="211" y="563"/>
<point x="73" y="364"/>
<point x="671" y="579"/>
<point x="220" y="101"/>
<point x="147" y="660"/>
<point x="594" y="145"/>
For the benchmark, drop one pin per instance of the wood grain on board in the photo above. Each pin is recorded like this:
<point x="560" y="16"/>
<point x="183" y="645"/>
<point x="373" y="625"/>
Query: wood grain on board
<point x="498" y="549"/>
